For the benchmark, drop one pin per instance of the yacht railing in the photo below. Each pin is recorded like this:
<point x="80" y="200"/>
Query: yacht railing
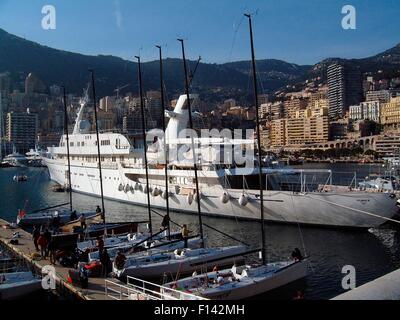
<point x="156" y="292"/>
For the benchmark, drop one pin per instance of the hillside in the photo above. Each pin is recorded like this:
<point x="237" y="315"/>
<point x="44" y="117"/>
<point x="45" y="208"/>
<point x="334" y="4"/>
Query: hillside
<point x="20" y="56"/>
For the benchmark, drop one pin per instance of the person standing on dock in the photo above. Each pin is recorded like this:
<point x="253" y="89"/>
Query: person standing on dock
<point x="35" y="237"/>
<point x="42" y="242"/>
<point x="52" y="251"/>
<point x="48" y="236"/>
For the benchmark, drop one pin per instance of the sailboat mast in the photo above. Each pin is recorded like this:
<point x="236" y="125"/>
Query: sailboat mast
<point x="193" y="145"/>
<point x="165" y="138"/>
<point x="260" y="178"/>
<point x="98" y="146"/>
<point x="68" y="154"/>
<point x="144" y="141"/>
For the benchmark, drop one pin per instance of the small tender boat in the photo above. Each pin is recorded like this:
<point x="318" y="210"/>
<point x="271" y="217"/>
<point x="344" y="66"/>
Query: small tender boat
<point x="45" y="217"/>
<point x="179" y="262"/>
<point x="20" y="178"/>
<point x="233" y="285"/>
<point x="58" y="188"/>
<point x="18" y="284"/>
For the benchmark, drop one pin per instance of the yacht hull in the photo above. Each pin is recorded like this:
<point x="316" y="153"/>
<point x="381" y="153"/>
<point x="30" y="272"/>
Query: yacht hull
<point x="352" y="209"/>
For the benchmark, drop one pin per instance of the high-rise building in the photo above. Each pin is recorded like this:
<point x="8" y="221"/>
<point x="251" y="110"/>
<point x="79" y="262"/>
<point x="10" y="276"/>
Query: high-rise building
<point x="107" y="104"/>
<point x="154" y="106"/>
<point x="344" y="89"/>
<point x="390" y="113"/>
<point x="5" y="83"/>
<point x="34" y="85"/>
<point x="21" y="130"/>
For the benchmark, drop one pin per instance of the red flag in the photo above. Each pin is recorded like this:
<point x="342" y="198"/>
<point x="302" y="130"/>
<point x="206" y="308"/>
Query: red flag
<point x="21" y="213"/>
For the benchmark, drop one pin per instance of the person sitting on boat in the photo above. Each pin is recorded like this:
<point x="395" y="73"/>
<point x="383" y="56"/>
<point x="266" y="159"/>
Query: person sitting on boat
<point x="296" y="255"/>
<point x="82" y="219"/>
<point x="185" y="234"/>
<point x="120" y="260"/>
<point x="56" y="222"/>
<point x="100" y="244"/>
<point x="99" y="211"/>
<point x="165" y="223"/>
<point x="73" y="216"/>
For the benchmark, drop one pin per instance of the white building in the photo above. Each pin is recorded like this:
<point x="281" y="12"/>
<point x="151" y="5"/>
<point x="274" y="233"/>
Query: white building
<point x="369" y="110"/>
<point x="355" y="112"/>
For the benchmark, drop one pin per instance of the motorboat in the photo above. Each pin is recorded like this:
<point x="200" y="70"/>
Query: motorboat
<point x="18" y="284"/>
<point x="20" y="178"/>
<point x="43" y="218"/>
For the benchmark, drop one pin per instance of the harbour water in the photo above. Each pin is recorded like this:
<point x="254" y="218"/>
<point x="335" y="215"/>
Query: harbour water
<point x="372" y="253"/>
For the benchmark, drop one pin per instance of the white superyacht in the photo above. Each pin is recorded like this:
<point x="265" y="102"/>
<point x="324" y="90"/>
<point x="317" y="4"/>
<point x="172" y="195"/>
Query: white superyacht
<point x="226" y="190"/>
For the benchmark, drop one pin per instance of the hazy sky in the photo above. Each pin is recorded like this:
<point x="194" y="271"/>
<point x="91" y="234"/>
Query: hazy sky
<point x="297" y="31"/>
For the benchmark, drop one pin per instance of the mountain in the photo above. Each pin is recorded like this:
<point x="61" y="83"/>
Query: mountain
<point x="20" y="57"/>
<point x="385" y="64"/>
